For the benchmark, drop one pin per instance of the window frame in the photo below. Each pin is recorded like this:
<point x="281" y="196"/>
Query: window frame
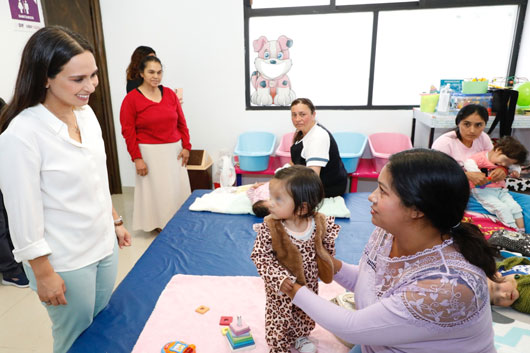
<point x="332" y="8"/>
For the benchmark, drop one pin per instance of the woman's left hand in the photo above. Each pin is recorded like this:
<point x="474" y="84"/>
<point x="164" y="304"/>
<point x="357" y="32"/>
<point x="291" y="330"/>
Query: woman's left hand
<point x="290" y="288"/>
<point x="124" y="237"/>
<point x="185" y="155"/>
<point x="497" y="174"/>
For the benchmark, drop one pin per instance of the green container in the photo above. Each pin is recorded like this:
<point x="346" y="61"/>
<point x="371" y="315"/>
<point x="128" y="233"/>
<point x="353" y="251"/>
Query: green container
<point x="429" y="102"/>
<point x="474" y="87"/>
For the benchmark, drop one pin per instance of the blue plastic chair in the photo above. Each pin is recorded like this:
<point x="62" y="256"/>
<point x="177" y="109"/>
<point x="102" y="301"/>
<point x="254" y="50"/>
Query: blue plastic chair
<point x="351" y="147"/>
<point x="254" y="149"/>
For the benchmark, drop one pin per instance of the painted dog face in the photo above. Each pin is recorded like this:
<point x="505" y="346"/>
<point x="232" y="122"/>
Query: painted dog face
<point x="273" y="56"/>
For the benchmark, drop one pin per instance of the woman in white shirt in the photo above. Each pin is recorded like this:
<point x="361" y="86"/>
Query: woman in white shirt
<point x="54" y="179"/>
<point x="315" y="147"/>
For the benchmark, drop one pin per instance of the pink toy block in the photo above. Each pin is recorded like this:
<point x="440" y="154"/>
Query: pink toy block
<point x="225" y="320"/>
<point x="238" y="327"/>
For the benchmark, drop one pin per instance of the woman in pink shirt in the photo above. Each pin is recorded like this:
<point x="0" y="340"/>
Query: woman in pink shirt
<point x="468" y="139"/>
<point x="421" y="283"/>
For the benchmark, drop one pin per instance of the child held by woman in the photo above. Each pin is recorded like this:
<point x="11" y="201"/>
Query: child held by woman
<point x="294" y="242"/>
<point x="494" y="196"/>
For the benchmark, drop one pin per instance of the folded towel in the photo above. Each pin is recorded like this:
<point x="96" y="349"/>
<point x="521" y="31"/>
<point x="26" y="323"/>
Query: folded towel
<point x="234" y="200"/>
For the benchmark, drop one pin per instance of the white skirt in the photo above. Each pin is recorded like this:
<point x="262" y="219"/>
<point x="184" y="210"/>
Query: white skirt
<point x="160" y="193"/>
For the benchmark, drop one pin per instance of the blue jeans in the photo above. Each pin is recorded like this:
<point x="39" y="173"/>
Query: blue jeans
<point x="356" y="349"/>
<point x="88" y="291"/>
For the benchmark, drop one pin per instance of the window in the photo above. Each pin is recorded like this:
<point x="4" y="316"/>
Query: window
<point x="441" y="43"/>
<point x="323" y="59"/>
<point x="359" y="2"/>
<point x="264" y="4"/>
<point x="355" y="54"/>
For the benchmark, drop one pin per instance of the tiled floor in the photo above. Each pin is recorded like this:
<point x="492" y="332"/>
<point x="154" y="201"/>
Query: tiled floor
<point x="24" y="323"/>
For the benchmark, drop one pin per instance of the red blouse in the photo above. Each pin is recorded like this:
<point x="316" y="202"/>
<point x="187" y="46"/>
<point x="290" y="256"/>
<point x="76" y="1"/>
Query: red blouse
<point x="145" y="121"/>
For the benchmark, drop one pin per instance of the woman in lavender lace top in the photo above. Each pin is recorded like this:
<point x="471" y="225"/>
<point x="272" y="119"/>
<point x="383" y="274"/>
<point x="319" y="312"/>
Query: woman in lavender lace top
<point x="421" y="284"/>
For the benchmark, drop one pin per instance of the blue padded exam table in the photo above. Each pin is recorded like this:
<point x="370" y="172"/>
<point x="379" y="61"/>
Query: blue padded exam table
<point x="198" y="243"/>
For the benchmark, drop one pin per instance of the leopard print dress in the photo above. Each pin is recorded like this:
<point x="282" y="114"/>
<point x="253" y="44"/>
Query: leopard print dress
<point x="285" y="322"/>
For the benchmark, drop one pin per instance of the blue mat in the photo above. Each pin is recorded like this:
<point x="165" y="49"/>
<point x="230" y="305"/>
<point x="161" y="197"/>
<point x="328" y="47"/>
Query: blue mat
<point x="521" y="199"/>
<point x="198" y="243"/>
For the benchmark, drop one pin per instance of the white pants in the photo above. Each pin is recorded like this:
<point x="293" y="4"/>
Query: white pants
<point x="499" y="202"/>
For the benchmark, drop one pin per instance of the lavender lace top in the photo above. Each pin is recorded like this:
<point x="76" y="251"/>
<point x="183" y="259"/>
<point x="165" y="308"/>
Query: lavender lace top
<point x="432" y="301"/>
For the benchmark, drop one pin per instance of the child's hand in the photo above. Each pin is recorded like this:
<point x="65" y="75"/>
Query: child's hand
<point x="498" y="174"/>
<point x="514" y="174"/>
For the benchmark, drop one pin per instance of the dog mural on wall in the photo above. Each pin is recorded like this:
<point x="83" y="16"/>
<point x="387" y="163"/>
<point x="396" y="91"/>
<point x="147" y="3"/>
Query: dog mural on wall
<point x="270" y="80"/>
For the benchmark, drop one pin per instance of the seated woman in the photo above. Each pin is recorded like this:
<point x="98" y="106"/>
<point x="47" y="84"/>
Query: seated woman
<point x="421" y="285"/>
<point x="468" y="139"/>
<point x="315" y="147"/>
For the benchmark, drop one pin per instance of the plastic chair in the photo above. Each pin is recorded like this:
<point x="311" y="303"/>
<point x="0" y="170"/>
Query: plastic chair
<point x="254" y="149"/>
<point x="384" y="144"/>
<point x="283" y="152"/>
<point x="351" y="147"/>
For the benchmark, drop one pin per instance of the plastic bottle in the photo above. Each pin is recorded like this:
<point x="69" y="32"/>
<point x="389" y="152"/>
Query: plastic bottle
<point x="228" y="172"/>
<point x="445" y="98"/>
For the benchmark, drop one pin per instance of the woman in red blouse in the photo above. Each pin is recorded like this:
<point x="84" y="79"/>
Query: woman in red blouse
<point x="158" y="141"/>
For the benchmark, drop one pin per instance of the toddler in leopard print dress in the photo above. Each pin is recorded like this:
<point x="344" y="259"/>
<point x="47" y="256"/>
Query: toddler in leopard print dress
<point x="294" y="242"/>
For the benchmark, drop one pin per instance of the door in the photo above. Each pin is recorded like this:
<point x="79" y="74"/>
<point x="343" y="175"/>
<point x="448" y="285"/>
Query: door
<point x="84" y="17"/>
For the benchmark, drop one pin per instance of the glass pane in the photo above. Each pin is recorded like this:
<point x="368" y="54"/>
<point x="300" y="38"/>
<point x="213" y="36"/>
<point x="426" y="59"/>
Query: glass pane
<point x="441" y="44"/>
<point x="330" y="54"/>
<point x="267" y="4"/>
<point x="359" y="2"/>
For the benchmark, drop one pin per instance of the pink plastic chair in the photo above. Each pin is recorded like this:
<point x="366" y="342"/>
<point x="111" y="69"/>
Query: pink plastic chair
<point x="384" y="144"/>
<point x="284" y="149"/>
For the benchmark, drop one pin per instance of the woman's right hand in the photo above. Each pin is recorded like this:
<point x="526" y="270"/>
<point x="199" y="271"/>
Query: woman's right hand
<point x="477" y="178"/>
<point x="289" y="288"/>
<point x="141" y="167"/>
<point x="51" y="289"/>
<point x="50" y="286"/>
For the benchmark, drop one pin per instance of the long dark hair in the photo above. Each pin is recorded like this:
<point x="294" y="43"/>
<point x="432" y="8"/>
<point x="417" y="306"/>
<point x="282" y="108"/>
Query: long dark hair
<point x="306" y="101"/>
<point x="304" y="186"/>
<point x="467" y="111"/>
<point x="146" y="60"/>
<point x="137" y="56"/>
<point x="436" y="185"/>
<point x="44" y="56"/>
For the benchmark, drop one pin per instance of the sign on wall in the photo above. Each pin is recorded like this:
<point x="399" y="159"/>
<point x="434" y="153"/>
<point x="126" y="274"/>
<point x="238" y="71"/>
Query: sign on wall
<point x="25" y="14"/>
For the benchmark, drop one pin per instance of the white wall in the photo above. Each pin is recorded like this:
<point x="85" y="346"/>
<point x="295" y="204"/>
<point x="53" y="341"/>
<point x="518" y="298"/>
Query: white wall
<point x="201" y="44"/>
<point x="11" y="45"/>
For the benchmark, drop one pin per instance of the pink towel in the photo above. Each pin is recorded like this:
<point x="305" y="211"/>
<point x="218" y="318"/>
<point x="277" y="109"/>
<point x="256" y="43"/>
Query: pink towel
<point x="174" y="317"/>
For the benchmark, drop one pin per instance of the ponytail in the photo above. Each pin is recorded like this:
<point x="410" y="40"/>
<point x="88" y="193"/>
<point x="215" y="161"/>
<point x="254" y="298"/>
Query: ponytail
<point x="298" y="135"/>
<point x="474" y="247"/>
<point x="434" y="183"/>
